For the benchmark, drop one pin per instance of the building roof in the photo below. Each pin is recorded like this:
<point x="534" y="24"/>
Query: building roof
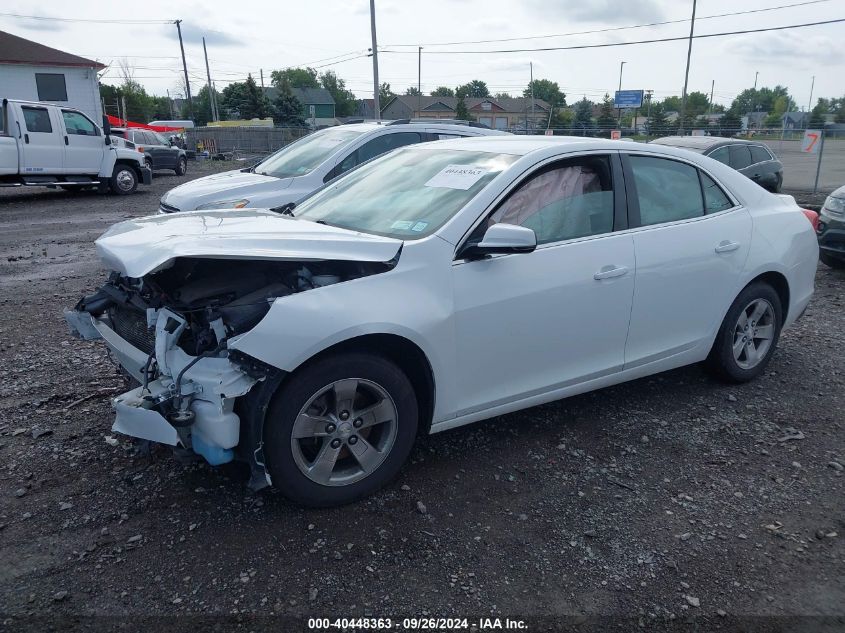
<point x="450" y="104"/>
<point x="17" y="50"/>
<point x="306" y="96"/>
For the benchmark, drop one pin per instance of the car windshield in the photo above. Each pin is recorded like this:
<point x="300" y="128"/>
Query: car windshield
<point x="301" y="157"/>
<point x="406" y="194"/>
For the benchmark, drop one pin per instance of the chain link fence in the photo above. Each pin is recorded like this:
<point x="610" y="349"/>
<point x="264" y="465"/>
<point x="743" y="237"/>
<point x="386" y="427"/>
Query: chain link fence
<point x="241" y="142"/>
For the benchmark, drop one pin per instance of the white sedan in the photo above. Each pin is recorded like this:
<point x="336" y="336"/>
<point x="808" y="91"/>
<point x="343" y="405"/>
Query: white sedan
<point x="436" y="286"/>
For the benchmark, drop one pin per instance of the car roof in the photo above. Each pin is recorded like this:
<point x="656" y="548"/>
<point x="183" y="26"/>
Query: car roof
<point x="520" y="145"/>
<point x="418" y="124"/>
<point x="700" y="143"/>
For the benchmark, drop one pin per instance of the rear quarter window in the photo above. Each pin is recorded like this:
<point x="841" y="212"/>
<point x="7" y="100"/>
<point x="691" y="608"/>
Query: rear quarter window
<point x="759" y="154"/>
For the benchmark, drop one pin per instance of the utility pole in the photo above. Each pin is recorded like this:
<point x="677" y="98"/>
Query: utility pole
<point x="125" y="118"/>
<point x="261" y="71"/>
<point x="531" y="66"/>
<point x="419" y="79"/>
<point x="648" y="94"/>
<point x="756" y="72"/>
<point x="208" y="74"/>
<point x="170" y="103"/>
<point x="710" y="104"/>
<point x="376" y="105"/>
<point x="619" y="110"/>
<point x="810" y="102"/>
<point x="686" y="74"/>
<point x="185" y="69"/>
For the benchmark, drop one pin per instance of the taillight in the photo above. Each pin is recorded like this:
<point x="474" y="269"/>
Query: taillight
<point x="813" y="217"/>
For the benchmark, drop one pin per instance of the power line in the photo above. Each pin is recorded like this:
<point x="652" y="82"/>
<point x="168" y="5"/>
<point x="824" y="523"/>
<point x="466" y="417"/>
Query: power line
<point x="613" y="44"/>
<point x="616" y="28"/>
<point x="97" y="21"/>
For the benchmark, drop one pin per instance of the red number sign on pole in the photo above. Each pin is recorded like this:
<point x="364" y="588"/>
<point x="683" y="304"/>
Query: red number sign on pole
<point x="810" y="143"/>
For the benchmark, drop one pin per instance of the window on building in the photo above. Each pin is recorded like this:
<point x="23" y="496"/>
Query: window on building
<point x="51" y="86"/>
<point x="37" y="119"/>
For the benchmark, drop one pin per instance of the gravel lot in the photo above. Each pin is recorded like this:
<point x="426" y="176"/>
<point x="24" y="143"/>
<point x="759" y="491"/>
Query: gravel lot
<point x="664" y="499"/>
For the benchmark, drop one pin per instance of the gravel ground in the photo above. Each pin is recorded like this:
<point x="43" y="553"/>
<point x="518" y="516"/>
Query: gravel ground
<point x="652" y="503"/>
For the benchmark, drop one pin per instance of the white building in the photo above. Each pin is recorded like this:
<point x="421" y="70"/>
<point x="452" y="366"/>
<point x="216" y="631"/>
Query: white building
<point x="32" y="71"/>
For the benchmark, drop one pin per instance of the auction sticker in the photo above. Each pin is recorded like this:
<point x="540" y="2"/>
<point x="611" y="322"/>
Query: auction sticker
<point x="456" y="177"/>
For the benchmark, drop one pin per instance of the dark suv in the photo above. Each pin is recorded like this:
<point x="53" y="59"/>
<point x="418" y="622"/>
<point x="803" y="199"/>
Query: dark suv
<point x="159" y="153"/>
<point x="831" y="230"/>
<point x="749" y="158"/>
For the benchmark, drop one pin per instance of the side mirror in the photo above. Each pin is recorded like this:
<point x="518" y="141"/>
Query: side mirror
<point x="107" y="129"/>
<point x="501" y="239"/>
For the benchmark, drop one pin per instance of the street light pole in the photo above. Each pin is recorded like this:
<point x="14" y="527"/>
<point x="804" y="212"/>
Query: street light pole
<point x="419" y="79"/>
<point x="686" y="74"/>
<point x="376" y="105"/>
<point x="810" y="102"/>
<point x="619" y="110"/>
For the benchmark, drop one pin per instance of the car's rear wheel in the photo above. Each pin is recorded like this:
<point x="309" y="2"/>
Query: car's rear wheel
<point x="149" y="164"/>
<point x="124" y="180"/>
<point x="748" y="336"/>
<point x="181" y="166"/>
<point x="833" y="262"/>
<point x="339" y="429"/>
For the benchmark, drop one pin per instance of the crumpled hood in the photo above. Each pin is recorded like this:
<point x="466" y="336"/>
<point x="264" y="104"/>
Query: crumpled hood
<point x="140" y="246"/>
<point x="227" y="185"/>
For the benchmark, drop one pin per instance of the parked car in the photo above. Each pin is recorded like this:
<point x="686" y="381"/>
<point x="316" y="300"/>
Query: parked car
<point x="304" y="166"/>
<point x="831" y="230"/>
<point x="435" y="286"/>
<point x="48" y="145"/>
<point x="159" y="153"/>
<point x="752" y="159"/>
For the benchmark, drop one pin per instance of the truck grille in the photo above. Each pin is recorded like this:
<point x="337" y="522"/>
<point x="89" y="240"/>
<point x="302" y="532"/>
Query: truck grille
<point x="131" y="326"/>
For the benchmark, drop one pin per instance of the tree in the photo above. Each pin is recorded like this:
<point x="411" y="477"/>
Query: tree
<point x="656" y="124"/>
<point x="546" y="90"/>
<point x="583" y="114"/>
<point x="502" y="95"/>
<point x="412" y="91"/>
<point x="245" y="100"/>
<point x="139" y="105"/>
<point x="385" y="94"/>
<point x="475" y="88"/>
<point x="461" y="112"/>
<point x="344" y="100"/>
<point x="563" y="118"/>
<point x="817" y="119"/>
<point x="606" y="120"/>
<point x="202" y="107"/>
<point x="442" y="91"/>
<point x="731" y="123"/>
<point x="287" y="109"/>
<point x="295" y="78"/>
<point x="762" y="99"/>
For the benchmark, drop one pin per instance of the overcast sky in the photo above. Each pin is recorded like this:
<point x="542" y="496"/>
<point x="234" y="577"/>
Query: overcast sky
<point x="245" y="37"/>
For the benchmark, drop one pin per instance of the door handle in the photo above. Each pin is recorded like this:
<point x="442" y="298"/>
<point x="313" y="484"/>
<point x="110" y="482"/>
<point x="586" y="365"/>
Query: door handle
<point x="726" y="247"/>
<point x="609" y="272"/>
<point x="26" y="138"/>
<point x="66" y="141"/>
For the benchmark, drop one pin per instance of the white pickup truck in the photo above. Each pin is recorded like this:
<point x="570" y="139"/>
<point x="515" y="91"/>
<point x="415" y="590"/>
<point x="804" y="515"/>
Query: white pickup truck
<point x="48" y="145"/>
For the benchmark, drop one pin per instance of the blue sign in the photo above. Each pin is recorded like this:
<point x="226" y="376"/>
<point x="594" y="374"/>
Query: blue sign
<point x="628" y="99"/>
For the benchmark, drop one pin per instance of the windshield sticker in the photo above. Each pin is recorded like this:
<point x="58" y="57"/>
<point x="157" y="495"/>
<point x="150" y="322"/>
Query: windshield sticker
<point x="457" y="177"/>
<point x="419" y="226"/>
<point x="402" y="225"/>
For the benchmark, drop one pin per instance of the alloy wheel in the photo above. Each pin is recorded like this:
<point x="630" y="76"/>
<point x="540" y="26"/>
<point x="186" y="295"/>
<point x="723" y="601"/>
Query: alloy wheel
<point x="344" y="432"/>
<point x="753" y="333"/>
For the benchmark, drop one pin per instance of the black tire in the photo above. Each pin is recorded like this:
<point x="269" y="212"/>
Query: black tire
<point x="181" y="166"/>
<point x="721" y="361"/>
<point x="124" y="180"/>
<point x="149" y="164"/>
<point x="833" y="262"/>
<point x="295" y="393"/>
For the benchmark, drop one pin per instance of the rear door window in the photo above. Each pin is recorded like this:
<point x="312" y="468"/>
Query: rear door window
<point x="37" y="119"/>
<point x="720" y="154"/>
<point x="740" y="156"/>
<point x="759" y="154"/>
<point x="667" y="190"/>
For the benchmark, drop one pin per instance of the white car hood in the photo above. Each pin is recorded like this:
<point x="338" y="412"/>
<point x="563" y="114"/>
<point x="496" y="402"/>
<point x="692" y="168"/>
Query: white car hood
<point x="140" y="246"/>
<point x="227" y="185"/>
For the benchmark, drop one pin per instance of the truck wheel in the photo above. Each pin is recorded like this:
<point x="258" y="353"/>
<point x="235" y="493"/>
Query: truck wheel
<point x="124" y="180"/>
<point x="181" y="166"/>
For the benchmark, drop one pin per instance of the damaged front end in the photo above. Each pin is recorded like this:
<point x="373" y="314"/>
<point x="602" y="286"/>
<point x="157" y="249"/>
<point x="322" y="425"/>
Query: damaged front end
<point x="170" y="330"/>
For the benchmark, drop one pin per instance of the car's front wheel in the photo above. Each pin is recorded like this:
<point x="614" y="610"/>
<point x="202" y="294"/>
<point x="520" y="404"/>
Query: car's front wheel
<point x="749" y="334"/>
<point x="339" y="429"/>
<point x="181" y="166"/>
<point x="124" y="180"/>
